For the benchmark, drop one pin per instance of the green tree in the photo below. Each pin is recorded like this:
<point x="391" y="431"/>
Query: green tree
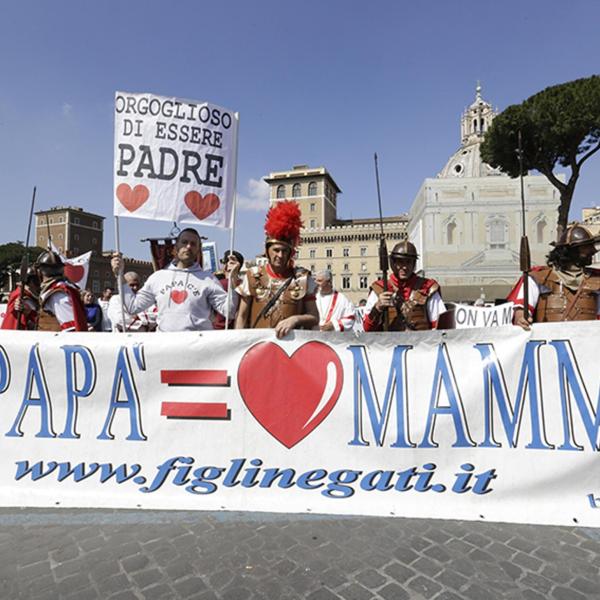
<point x="11" y="255"/>
<point x="560" y="127"/>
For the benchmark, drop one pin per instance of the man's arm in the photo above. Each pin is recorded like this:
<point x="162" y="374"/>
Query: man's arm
<point x="308" y="320"/>
<point x="241" y="320"/>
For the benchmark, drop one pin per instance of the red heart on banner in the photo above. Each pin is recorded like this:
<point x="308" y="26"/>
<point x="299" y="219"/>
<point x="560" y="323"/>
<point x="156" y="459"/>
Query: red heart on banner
<point x="132" y="199"/>
<point x="178" y="296"/>
<point x="202" y="206"/>
<point x="290" y="395"/>
<point x="74" y="272"/>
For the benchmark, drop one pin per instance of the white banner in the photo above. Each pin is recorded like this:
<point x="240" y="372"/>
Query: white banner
<point x="497" y="424"/>
<point x="175" y="160"/>
<point x="466" y="316"/>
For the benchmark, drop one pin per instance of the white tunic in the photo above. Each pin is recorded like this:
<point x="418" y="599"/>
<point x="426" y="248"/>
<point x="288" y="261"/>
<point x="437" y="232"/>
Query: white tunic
<point x="336" y="309"/>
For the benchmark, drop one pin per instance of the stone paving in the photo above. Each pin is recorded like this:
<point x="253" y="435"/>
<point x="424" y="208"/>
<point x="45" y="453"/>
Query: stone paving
<point x="122" y="555"/>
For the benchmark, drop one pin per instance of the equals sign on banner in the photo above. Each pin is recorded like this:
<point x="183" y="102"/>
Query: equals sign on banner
<point x="195" y="410"/>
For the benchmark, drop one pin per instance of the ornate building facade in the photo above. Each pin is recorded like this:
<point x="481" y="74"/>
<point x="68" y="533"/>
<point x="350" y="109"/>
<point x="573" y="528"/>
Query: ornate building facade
<point x="347" y="247"/>
<point x="466" y="222"/>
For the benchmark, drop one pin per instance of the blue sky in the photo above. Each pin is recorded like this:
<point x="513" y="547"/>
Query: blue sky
<point x="315" y="82"/>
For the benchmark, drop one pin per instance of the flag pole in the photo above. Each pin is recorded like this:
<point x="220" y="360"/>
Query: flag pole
<point x="120" y="275"/>
<point x="233" y="216"/>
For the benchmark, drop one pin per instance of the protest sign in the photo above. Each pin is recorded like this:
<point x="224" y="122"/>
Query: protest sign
<point x="497" y="424"/>
<point x="175" y="160"/>
<point x="465" y="316"/>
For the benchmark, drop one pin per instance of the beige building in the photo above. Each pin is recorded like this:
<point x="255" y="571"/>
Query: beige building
<point x="74" y="231"/>
<point x="466" y="222"/>
<point x="347" y="247"/>
<point x="591" y="218"/>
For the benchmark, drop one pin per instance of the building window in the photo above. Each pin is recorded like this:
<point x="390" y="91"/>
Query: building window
<point x="96" y="286"/>
<point x="345" y="282"/>
<point x="497" y="233"/>
<point x="346" y="267"/>
<point x="363" y="282"/>
<point x="60" y="219"/>
<point x="346" y="252"/>
<point x="540" y="228"/>
<point x="76" y="250"/>
<point x="313" y="207"/>
<point x="312" y="188"/>
<point x="95" y="224"/>
<point x="76" y="237"/>
<point x="312" y="268"/>
<point x="328" y="267"/>
<point x="313" y="223"/>
<point x="96" y="274"/>
<point x="450" y="228"/>
<point x="281" y="191"/>
<point x="94" y="241"/>
<point x="50" y="220"/>
<point x="363" y="266"/>
<point x="296" y="190"/>
<point x="76" y="220"/>
<point x="312" y="253"/>
<point x="329" y="252"/>
<point x="363" y="251"/>
<point x="60" y="236"/>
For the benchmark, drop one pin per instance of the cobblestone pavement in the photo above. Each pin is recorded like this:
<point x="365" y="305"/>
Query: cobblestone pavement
<point x="81" y="554"/>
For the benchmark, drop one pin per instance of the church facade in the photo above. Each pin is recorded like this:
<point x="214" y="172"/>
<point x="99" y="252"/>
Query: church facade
<point x="466" y="223"/>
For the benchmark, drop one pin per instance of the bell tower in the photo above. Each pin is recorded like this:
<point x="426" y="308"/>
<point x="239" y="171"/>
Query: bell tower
<point x="476" y="119"/>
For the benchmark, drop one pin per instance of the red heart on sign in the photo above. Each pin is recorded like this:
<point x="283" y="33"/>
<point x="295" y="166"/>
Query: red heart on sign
<point x="290" y="395"/>
<point x="74" y="272"/>
<point x="132" y="199"/>
<point x="178" y="296"/>
<point x="202" y="206"/>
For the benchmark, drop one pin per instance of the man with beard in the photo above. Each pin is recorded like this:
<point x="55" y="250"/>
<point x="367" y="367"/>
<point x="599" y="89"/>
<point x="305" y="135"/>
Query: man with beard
<point x="185" y="295"/>
<point x="566" y="289"/>
<point x="412" y="302"/>
<point x="278" y="295"/>
<point x="60" y="300"/>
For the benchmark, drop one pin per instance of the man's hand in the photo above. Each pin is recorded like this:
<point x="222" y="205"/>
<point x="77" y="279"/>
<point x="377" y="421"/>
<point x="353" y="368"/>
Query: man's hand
<point x="284" y="327"/>
<point x="116" y="264"/>
<point x="385" y="300"/>
<point x="234" y="271"/>
<point x="520" y="320"/>
<point x="327" y="326"/>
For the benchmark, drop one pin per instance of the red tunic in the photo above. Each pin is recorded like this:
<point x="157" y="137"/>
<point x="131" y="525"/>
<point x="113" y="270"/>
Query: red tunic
<point x="28" y="321"/>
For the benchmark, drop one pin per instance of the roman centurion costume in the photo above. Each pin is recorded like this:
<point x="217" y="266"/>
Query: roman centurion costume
<point x="417" y="300"/>
<point x="276" y="297"/>
<point x="27" y="318"/>
<point x="566" y="289"/>
<point x="62" y="309"/>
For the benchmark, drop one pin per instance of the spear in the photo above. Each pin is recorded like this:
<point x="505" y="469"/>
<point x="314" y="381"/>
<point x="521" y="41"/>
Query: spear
<point x="524" y="253"/>
<point x="25" y="263"/>
<point x="383" y="253"/>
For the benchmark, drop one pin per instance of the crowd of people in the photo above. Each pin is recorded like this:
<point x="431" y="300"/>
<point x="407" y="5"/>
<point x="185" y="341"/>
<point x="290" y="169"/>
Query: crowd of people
<point x="283" y="296"/>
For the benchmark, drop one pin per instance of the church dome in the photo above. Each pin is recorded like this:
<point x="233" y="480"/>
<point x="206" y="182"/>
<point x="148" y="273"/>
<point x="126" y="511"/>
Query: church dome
<point x="466" y="161"/>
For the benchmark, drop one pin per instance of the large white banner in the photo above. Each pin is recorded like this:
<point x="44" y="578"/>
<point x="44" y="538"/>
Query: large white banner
<point x="175" y="160"/>
<point x="487" y="424"/>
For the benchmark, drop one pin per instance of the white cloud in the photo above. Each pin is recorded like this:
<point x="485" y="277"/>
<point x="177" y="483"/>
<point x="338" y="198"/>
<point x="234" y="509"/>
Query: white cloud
<point x="256" y="197"/>
<point x="67" y="109"/>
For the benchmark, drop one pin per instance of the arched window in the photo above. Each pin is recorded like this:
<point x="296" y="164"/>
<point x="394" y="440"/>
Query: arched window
<point x="296" y="190"/>
<point x="540" y="228"/>
<point x="450" y="232"/>
<point x="281" y="191"/>
<point x="312" y="188"/>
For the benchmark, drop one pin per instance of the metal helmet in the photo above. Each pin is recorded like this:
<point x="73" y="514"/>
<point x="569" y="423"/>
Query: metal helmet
<point x="577" y="235"/>
<point x="404" y="250"/>
<point x="49" y="263"/>
<point x="32" y="277"/>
